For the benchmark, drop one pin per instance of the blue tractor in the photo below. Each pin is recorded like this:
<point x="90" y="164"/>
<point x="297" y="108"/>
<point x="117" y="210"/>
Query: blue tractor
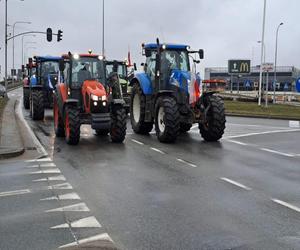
<point x="42" y="84"/>
<point x="171" y="95"/>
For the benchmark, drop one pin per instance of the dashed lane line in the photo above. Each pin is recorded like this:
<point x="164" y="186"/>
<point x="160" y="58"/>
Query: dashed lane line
<point x="40" y="160"/>
<point x="51" y="178"/>
<point x="88" y="222"/>
<point x="276" y="152"/>
<point x="236" y="183"/>
<point x="15" y="192"/>
<point x="48" y="171"/>
<point x="288" y="205"/>
<point x="187" y="163"/>
<point x="238" y="142"/>
<point x="157" y="150"/>
<point x="79" y="207"/>
<point x="61" y="186"/>
<point x="138" y="142"/>
<point x="99" y="237"/>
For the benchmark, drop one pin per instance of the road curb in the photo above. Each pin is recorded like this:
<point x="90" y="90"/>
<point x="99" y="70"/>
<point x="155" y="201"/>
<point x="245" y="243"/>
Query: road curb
<point x="263" y="116"/>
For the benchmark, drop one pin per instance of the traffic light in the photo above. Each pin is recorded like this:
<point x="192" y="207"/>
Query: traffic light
<point x="49" y="34"/>
<point x="59" y="35"/>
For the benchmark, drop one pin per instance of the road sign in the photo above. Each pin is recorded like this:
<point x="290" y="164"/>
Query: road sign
<point x="255" y="84"/>
<point x="298" y="85"/>
<point x="247" y="84"/>
<point x="267" y="67"/>
<point x="239" y="67"/>
<point x="286" y="87"/>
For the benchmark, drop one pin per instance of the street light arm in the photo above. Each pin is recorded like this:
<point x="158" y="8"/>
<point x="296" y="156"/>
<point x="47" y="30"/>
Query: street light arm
<point x="29" y="32"/>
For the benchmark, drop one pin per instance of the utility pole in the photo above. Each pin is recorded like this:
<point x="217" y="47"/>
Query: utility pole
<point x="102" y="27"/>
<point x="261" y="53"/>
<point x="6" y="83"/>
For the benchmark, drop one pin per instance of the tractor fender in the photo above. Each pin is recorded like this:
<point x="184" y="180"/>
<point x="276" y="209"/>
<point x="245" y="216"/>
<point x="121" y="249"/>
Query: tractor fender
<point x="144" y="81"/>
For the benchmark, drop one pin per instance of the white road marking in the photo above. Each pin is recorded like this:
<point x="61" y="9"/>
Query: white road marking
<point x="253" y="125"/>
<point x="138" y="142"/>
<point x="61" y="186"/>
<point x="294" y="124"/>
<point x="52" y="178"/>
<point x="262" y="133"/>
<point x="283" y="203"/>
<point x="79" y="207"/>
<point x="69" y="196"/>
<point x="39" y="160"/>
<point x="104" y="237"/>
<point x="276" y="152"/>
<point x="157" y="150"/>
<point x="15" y="192"/>
<point x="33" y="166"/>
<point x="47" y="165"/>
<point x="235" y="183"/>
<point x="238" y="142"/>
<point x="188" y="163"/>
<point x="48" y="171"/>
<point x="88" y="222"/>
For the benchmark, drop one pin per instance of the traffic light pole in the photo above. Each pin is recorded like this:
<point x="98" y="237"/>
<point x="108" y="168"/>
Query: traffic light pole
<point x="29" y="32"/>
<point x="6" y="83"/>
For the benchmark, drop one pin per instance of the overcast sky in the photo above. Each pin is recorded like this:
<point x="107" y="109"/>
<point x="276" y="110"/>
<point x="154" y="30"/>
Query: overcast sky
<point x="225" y="29"/>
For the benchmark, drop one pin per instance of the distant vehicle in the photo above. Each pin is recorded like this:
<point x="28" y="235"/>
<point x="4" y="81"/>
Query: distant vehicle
<point x="2" y="90"/>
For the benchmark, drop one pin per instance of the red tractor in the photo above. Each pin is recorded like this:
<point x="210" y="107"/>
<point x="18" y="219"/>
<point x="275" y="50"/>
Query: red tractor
<point x="86" y="95"/>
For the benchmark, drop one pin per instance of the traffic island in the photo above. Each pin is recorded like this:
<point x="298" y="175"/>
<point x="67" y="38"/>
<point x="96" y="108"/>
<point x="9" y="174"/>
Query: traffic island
<point x="11" y="143"/>
<point x="251" y="109"/>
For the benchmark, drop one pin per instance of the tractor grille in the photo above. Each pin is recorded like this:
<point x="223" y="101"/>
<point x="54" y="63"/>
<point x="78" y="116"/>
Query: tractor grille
<point x="100" y="108"/>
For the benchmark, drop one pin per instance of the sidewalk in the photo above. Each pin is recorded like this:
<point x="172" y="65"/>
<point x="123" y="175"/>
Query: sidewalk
<point x="11" y="143"/>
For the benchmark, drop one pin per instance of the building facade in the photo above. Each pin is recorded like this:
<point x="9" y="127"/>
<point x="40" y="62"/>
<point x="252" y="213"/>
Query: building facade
<point x="286" y="78"/>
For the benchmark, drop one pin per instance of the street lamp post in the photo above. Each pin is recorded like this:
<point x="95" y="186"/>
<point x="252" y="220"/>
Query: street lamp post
<point x="275" y="70"/>
<point x="13" y="64"/>
<point x="261" y="53"/>
<point x="103" y="28"/>
<point x="23" y="62"/>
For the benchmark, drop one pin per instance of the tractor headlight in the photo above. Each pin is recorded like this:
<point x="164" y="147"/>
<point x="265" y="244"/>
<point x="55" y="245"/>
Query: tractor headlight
<point x="94" y="97"/>
<point x="103" y="98"/>
<point x="76" y="56"/>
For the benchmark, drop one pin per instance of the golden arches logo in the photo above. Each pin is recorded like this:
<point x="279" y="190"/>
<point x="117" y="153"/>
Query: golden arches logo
<point x="244" y="67"/>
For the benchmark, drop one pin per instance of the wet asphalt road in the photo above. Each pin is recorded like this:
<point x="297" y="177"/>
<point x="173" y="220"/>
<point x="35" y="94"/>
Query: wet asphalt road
<point x="240" y="193"/>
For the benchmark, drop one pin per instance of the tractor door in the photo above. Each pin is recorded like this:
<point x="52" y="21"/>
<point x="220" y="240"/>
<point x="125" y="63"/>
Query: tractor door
<point x="151" y="67"/>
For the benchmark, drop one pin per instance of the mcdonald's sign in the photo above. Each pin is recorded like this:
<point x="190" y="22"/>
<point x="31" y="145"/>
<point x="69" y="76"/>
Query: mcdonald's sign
<point x="239" y="66"/>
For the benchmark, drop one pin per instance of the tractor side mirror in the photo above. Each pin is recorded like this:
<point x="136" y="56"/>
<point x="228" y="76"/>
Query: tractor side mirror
<point x="134" y="66"/>
<point x="201" y="53"/>
<point x="61" y="65"/>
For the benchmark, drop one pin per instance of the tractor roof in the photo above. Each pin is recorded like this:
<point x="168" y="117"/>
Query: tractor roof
<point x="168" y="46"/>
<point x="47" y="58"/>
<point x="81" y="55"/>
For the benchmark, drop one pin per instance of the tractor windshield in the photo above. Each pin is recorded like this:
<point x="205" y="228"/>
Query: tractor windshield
<point x="175" y="59"/>
<point x="85" y="68"/>
<point x="121" y="70"/>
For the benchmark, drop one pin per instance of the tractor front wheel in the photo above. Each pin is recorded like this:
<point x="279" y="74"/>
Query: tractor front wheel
<point x="212" y="129"/>
<point x="167" y="119"/>
<point x="72" y="125"/>
<point x="118" y="125"/>
<point x="26" y="100"/>
<point x="37" y="105"/>
<point x="58" y="121"/>
<point x="137" y="111"/>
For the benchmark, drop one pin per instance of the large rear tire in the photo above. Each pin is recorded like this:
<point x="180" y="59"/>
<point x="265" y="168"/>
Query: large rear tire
<point x="167" y="119"/>
<point x="37" y="105"/>
<point x="137" y="111"/>
<point x="118" y="125"/>
<point x="213" y="128"/>
<point x="58" y="120"/>
<point x="72" y="125"/>
<point x="26" y="100"/>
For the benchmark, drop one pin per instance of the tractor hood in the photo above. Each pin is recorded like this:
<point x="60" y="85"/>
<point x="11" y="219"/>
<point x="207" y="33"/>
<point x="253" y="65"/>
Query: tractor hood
<point x="93" y="87"/>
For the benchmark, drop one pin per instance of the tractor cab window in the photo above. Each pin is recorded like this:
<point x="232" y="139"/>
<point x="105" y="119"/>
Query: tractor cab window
<point x="121" y="70"/>
<point x="85" y="68"/>
<point x="175" y="59"/>
<point x="49" y="68"/>
<point x="151" y="64"/>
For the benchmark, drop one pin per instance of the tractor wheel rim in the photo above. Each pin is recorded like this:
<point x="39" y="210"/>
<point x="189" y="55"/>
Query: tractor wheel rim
<point x="136" y="109"/>
<point x="67" y="126"/>
<point x="161" y="119"/>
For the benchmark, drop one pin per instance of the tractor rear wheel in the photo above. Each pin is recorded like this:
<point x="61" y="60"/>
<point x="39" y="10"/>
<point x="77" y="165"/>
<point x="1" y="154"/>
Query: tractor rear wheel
<point x="102" y="131"/>
<point x="118" y="125"/>
<point x="167" y="119"/>
<point x="72" y="125"/>
<point x="213" y="128"/>
<point x="37" y="105"/>
<point x="137" y="112"/>
<point x="58" y="121"/>
<point x="185" y="127"/>
<point x="26" y="101"/>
